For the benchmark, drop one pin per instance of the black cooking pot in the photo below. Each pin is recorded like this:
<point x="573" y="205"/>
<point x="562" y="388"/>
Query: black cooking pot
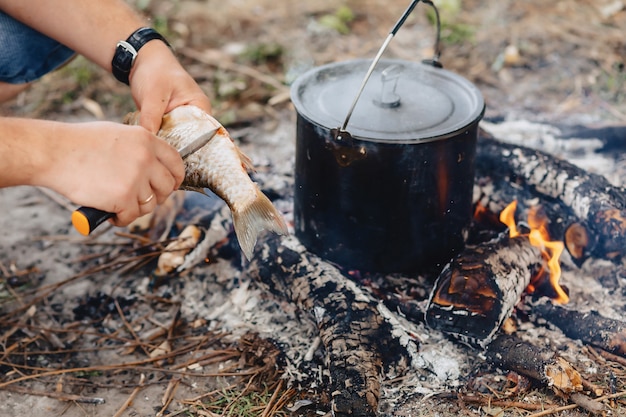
<point x="395" y="193"/>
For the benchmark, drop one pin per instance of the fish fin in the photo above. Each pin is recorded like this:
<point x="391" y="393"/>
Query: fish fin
<point x="196" y="189"/>
<point x="250" y="221"/>
<point x="246" y="162"/>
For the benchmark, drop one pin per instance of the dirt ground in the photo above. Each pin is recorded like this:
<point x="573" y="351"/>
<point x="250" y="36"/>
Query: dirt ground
<point x="61" y="295"/>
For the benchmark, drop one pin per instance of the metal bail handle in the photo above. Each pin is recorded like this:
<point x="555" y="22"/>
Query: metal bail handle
<point x="434" y="61"/>
<point x="341" y="132"/>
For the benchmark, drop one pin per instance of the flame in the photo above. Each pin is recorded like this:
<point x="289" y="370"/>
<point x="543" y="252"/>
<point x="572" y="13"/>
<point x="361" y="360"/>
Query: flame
<point x="507" y="216"/>
<point x="539" y="238"/>
<point x="480" y="210"/>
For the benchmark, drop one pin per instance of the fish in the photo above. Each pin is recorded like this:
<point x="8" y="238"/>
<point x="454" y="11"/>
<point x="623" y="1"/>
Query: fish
<point x="221" y="167"/>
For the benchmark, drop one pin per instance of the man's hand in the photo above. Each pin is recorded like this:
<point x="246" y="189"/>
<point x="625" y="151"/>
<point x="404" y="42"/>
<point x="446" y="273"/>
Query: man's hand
<point x="113" y="167"/>
<point x="159" y="84"/>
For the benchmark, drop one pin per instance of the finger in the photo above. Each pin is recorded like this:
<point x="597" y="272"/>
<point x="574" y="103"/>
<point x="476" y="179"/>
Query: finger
<point x="125" y="217"/>
<point x="150" y="119"/>
<point x="142" y="206"/>
<point x="148" y="204"/>
<point x="152" y="111"/>
<point x="163" y="183"/>
<point x="202" y="102"/>
<point x="173" y="166"/>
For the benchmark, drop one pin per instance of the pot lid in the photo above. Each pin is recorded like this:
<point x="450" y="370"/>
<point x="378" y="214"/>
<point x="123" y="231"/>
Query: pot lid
<point x="402" y="101"/>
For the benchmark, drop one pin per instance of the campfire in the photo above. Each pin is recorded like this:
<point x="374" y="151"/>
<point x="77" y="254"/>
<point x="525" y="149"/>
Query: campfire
<point x="540" y="238"/>
<point x="517" y="308"/>
<point x="474" y="296"/>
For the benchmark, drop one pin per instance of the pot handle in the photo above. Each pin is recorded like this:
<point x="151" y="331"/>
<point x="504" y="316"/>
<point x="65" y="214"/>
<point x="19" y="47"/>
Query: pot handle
<point x="434" y="61"/>
<point x="341" y="132"/>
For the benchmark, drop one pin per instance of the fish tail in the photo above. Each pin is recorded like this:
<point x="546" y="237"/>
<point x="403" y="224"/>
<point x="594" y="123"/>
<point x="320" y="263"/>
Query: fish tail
<point x="250" y="221"/>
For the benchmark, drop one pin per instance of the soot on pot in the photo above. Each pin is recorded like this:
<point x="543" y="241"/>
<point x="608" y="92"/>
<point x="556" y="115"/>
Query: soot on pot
<point x="395" y="194"/>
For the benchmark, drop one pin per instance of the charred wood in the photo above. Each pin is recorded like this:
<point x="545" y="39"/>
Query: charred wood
<point x="599" y="206"/>
<point x="611" y="136"/>
<point x="493" y="193"/>
<point x="542" y="365"/>
<point x="479" y="288"/>
<point x="356" y="336"/>
<point x="590" y="327"/>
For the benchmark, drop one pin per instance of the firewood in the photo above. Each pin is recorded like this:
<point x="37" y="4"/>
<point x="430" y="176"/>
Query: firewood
<point x="492" y="193"/>
<point x="356" y="336"/>
<point x="599" y="206"/>
<point x="479" y="288"/>
<point x="590" y="327"/>
<point x="541" y="364"/>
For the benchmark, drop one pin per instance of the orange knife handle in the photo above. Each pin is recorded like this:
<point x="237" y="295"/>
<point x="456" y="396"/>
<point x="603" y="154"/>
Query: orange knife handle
<point x="86" y="219"/>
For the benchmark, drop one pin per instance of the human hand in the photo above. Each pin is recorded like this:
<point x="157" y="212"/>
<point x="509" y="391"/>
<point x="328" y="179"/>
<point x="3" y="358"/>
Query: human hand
<point x="113" y="167"/>
<point x="159" y="84"/>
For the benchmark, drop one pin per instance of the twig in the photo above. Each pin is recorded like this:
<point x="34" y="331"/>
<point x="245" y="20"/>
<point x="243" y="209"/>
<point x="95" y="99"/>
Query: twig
<point x="269" y="408"/>
<point x="132" y="396"/>
<point x="3" y="269"/>
<point x="133" y="236"/>
<point x="193" y="401"/>
<point x="179" y="412"/>
<point x="14" y="294"/>
<point x="284" y="399"/>
<point x="57" y="395"/>
<point x="609" y="356"/>
<point x="587" y="403"/>
<point x="139" y="342"/>
<point x="488" y="401"/>
<point x="136" y="366"/>
<point x="230" y="66"/>
<point x="554" y="410"/>
<point x="590" y="386"/>
<point x="221" y="355"/>
<point x="168" y="396"/>
<point x="241" y="394"/>
<point x="572" y="406"/>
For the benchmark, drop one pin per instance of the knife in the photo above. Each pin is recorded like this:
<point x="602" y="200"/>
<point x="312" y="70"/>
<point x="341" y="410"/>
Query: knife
<point x="86" y="219"/>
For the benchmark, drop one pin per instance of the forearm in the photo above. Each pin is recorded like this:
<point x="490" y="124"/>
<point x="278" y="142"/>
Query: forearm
<point x="25" y="149"/>
<point x="100" y="164"/>
<point x="90" y="27"/>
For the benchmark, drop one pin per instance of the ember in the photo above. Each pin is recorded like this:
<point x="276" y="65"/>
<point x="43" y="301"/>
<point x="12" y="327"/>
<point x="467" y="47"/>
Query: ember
<point x="539" y="238"/>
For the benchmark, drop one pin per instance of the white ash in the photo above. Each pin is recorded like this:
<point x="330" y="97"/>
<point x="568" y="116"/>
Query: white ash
<point x="588" y="293"/>
<point x="235" y="304"/>
<point x="232" y="302"/>
<point x="546" y="137"/>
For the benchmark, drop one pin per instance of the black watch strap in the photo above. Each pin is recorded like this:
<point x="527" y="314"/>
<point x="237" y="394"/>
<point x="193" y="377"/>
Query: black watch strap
<point x="126" y="52"/>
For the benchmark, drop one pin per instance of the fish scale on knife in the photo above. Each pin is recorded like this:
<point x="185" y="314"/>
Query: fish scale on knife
<point x="221" y="167"/>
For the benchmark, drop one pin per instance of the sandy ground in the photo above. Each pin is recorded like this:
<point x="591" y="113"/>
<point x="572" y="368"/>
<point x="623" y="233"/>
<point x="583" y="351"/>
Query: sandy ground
<point x="563" y="72"/>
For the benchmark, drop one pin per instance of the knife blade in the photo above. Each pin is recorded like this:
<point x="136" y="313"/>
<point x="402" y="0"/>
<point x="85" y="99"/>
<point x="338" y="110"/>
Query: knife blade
<point x="86" y="219"/>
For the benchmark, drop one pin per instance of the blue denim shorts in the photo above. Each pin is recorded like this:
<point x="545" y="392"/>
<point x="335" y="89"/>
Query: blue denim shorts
<point x="25" y="54"/>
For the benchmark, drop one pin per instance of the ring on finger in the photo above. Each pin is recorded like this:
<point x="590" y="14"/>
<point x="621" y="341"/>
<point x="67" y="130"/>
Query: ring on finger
<point x="147" y="200"/>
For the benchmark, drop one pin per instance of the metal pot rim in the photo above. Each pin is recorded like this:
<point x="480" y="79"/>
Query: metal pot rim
<point x="435" y="103"/>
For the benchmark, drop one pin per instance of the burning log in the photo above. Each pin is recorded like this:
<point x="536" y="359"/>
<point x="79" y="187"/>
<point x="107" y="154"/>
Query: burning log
<point x="493" y="193"/>
<point x="479" y="288"/>
<point x="591" y="327"/>
<point x="543" y="365"/>
<point x="599" y="206"/>
<point x="356" y="336"/>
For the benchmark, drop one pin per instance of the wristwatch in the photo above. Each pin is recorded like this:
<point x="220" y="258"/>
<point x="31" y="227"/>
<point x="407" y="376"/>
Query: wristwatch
<point x="126" y="51"/>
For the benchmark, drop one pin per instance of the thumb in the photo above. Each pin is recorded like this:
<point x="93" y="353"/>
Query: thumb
<point x="151" y="114"/>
